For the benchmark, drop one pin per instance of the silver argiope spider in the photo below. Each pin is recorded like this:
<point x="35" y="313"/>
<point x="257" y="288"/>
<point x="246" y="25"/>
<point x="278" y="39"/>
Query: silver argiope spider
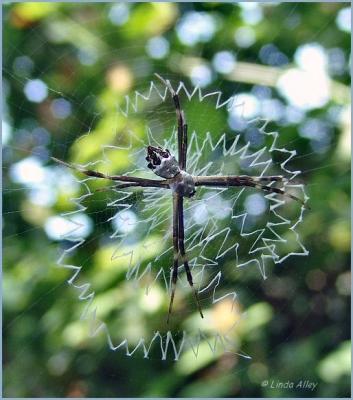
<point x="182" y="184"/>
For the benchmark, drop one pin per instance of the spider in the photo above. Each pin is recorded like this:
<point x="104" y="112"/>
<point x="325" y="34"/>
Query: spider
<point x="182" y="184"/>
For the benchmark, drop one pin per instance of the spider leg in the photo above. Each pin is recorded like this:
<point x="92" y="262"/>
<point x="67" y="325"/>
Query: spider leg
<point x="145" y="183"/>
<point x="235" y="180"/>
<point x="244" y="180"/>
<point x="176" y="253"/>
<point x="185" y="144"/>
<point x="273" y="178"/>
<point x="280" y="191"/>
<point x="131" y="180"/>
<point x="131" y="184"/>
<point x="182" y="125"/>
<point x="182" y="250"/>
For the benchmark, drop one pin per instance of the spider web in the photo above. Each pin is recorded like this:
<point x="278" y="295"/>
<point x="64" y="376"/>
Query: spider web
<point x="226" y="229"/>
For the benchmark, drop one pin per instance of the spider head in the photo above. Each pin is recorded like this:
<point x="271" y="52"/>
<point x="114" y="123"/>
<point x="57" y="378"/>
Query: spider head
<point x="161" y="162"/>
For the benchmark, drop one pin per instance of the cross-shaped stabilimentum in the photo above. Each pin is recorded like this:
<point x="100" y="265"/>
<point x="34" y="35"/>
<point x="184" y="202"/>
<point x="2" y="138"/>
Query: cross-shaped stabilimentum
<point x="182" y="184"/>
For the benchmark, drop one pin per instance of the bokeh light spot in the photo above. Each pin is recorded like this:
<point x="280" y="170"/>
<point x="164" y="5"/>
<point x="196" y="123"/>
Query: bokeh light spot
<point x="125" y="221"/>
<point x="157" y="47"/>
<point x="271" y="55"/>
<point x="36" y="90"/>
<point x="196" y="27"/>
<point x="28" y="171"/>
<point x="311" y="57"/>
<point x="87" y="57"/>
<point x="59" y="228"/>
<point x="249" y="106"/>
<point x="343" y="19"/>
<point x="61" y="108"/>
<point x="119" y="78"/>
<point x="305" y="90"/>
<point x="316" y="280"/>
<point x="244" y="36"/>
<point x="255" y="204"/>
<point x="223" y="62"/>
<point x="119" y="14"/>
<point x="6" y="132"/>
<point x="251" y="12"/>
<point x="201" y="75"/>
<point x="23" y="66"/>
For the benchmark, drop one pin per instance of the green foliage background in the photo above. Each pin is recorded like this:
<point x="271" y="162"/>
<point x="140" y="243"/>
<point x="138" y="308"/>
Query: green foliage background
<point x="300" y="316"/>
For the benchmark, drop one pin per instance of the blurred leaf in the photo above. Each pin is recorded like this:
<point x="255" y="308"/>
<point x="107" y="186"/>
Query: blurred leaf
<point x="211" y="388"/>
<point x="256" y="316"/>
<point x="32" y="12"/>
<point x="340" y="235"/>
<point x="123" y="257"/>
<point x="336" y="364"/>
<point x="151" y="19"/>
<point x="188" y="364"/>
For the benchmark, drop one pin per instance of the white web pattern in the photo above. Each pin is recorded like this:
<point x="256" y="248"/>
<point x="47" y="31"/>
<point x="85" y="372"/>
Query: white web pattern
<point x="218" y="225"/>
